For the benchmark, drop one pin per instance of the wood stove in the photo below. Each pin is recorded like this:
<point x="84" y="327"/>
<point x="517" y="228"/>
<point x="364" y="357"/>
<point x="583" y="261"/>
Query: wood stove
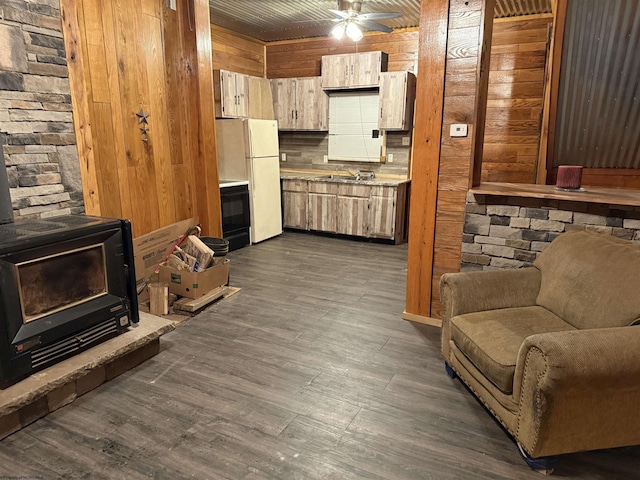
<point x="66" y="284"/>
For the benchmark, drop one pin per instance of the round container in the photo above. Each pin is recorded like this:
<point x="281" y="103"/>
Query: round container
<point x="220" y="246"/>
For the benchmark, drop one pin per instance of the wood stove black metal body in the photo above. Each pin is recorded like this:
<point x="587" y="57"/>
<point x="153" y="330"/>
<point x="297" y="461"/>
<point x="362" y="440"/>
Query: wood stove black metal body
<point x="66" y="284"/>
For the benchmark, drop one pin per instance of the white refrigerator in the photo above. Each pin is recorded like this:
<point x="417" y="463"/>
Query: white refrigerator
<point x="248" y="150"/>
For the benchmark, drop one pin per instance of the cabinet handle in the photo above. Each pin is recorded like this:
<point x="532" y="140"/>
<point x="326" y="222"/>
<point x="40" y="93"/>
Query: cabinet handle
<point x="351" y="69"/>
<point x="296" y="114"/>
<point x="346" y="70"/>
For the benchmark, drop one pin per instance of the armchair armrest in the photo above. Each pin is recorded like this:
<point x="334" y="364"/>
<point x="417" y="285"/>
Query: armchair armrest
<point x="466" y="292"/>
<point x="578" y="390"/>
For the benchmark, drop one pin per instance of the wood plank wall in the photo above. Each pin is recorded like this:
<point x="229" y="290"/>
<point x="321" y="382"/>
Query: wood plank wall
<point x="237" y="53"/>
<point x="514" y="104"/>
<point x="302" y="58"/>
<point x="126" y="65"/>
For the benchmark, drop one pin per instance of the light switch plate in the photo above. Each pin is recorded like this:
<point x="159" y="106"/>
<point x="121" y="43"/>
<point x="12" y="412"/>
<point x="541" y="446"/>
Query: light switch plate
<point x="406" y="141"/>
<point x="459" y="130"/>
<point x="390" y="157"/>
<point x="283" y="157"/>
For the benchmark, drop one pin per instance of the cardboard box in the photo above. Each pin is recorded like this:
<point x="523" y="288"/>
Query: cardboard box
<point x="192" y="284"/>
<point x="150" y="249"/>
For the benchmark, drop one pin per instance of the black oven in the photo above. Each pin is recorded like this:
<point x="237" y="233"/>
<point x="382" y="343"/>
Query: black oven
<point x="236" y="218"/>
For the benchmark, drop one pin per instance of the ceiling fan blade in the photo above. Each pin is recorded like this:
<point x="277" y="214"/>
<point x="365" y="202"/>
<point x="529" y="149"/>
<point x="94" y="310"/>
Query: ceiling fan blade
<point x="375" y="26"/>
<point x="379" y="15"/>
<point x="340" y="13"/>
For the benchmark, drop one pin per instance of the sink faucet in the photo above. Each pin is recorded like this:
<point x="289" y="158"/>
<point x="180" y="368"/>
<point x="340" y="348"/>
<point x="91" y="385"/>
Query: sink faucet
<point x="342" y="168"/>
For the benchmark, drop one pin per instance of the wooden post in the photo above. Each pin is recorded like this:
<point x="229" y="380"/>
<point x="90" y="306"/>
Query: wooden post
<point x="432" y="55"/>
<point x="158" y="298"/>
<point x="206" y="165"/>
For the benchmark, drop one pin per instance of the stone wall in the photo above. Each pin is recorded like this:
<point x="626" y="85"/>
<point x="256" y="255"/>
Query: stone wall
<point x="36" y="128"/>
<point x="510" y="232"/>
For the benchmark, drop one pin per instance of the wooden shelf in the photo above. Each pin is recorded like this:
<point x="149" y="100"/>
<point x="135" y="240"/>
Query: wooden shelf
<point x="611" y="196"/>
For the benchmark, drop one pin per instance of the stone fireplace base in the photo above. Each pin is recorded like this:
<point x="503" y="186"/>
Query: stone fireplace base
<point x="52" y="388"/>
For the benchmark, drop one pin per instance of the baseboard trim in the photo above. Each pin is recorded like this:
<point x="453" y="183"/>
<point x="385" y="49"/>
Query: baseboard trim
<point x="412" y="317"/>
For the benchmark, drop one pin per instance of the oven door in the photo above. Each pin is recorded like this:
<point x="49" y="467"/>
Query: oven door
<point x="236" y="218"/>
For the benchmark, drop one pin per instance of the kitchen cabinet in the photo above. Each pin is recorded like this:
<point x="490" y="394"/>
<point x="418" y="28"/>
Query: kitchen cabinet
<point x="397" y="99"/>
<point x="353" y="70"/>
<point x="323" y="206"/>
<point x="353" y="208"/>
<point x="346" y="207"/>
<point x="295" y="199"/>
<point x="231" y="91"/>
<point x="300" y="104"/>
<point x="382" y="212"/>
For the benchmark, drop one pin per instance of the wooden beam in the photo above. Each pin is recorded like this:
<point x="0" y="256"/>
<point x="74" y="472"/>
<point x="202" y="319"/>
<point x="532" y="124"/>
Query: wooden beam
<point x="432" y="55"/>
<point x="80" y="105"/>
<point x="206" y="165"/>
<point x="482" y="79"/>
<point x="550" y="112"/>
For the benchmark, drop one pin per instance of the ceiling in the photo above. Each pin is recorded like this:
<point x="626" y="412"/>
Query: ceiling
<point x="273" y="20"/>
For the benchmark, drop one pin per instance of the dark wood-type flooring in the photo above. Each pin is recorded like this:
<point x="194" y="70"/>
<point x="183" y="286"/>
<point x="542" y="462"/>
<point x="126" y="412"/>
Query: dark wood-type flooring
<point x="309" y="372"/>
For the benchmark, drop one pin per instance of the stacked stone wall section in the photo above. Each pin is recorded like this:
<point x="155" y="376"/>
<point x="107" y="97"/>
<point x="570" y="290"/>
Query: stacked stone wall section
<point x="36" y="121"/>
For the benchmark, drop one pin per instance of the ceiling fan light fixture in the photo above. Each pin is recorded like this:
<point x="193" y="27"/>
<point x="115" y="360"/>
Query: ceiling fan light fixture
<point x="354" y="32"/>
<point x="338" y="31"/>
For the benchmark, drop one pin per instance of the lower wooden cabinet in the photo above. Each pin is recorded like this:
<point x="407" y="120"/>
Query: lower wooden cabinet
<point x="322" y="212"/>
<point x="371" y="211"/>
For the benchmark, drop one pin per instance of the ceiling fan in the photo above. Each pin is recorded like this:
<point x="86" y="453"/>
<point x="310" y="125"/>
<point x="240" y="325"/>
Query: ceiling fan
<point x="350" y="20"/>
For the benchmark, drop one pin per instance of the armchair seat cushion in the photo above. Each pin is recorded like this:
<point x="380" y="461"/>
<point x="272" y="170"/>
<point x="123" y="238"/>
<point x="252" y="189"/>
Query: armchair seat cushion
<point x="491" y="339"/>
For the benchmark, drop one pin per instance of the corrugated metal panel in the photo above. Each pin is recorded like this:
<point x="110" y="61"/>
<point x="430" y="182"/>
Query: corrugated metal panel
<point x="272" y="20"/>
<point x="515" y="8"/>
<point x="598" y="121"/>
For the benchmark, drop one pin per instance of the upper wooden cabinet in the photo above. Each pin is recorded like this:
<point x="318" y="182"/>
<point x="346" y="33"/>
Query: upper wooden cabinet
<point x="397" y="99"/>
<point x="353" y="70"/>
<point x="300" y="104"/>
<point x="231" y="94"/>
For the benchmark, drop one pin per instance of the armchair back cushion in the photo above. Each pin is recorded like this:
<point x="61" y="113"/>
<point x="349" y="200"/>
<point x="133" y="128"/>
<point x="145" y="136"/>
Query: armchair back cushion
<point x="591" y="280"/>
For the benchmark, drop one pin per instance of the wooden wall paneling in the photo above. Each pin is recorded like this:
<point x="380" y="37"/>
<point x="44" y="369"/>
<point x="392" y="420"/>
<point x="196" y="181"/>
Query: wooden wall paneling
<point x="515" y="99"/>
<point x="80" y="103"/>
<point x="302" y="58"/>
<point x="144" y="194"/>
<point x="118" y="147"/>
<point x="206" y="165"/>
<point x="158" y="137"/>
<point x="108" y="167"/>
<point x="426" y="154"/>
<point x="180" y="62"/>
<point x="237" y="53"/>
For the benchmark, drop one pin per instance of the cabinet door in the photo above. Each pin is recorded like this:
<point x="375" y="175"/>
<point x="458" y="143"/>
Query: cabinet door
<point x="382" y="217"/>
<point x="242" y="95"/>
<point x="312" y="105"/>
<point x="284" y="102"/>
<point x="295" y="209"/>
<point x="365" y="69"/>
<point x="352" y="216"/>
<point x="322" y="212"/>
<point x="228" y="97"/>
<point x="336" y="71"/>
<point x="397" y="97"/>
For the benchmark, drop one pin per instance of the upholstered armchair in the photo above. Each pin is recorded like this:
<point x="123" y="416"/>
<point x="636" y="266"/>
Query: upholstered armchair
<point x="553" y="350"/>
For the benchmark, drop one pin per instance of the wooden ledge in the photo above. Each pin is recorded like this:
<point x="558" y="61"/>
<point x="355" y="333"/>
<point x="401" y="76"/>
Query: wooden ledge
<point x="611" y="196"/>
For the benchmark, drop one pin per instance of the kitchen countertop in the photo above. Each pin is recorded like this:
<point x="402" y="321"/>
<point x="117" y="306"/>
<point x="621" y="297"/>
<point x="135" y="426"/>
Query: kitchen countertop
<point x="381" y="180"/>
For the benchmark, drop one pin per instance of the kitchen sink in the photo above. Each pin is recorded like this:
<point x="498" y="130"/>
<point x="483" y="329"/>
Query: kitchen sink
<point x="338" y="177"/>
